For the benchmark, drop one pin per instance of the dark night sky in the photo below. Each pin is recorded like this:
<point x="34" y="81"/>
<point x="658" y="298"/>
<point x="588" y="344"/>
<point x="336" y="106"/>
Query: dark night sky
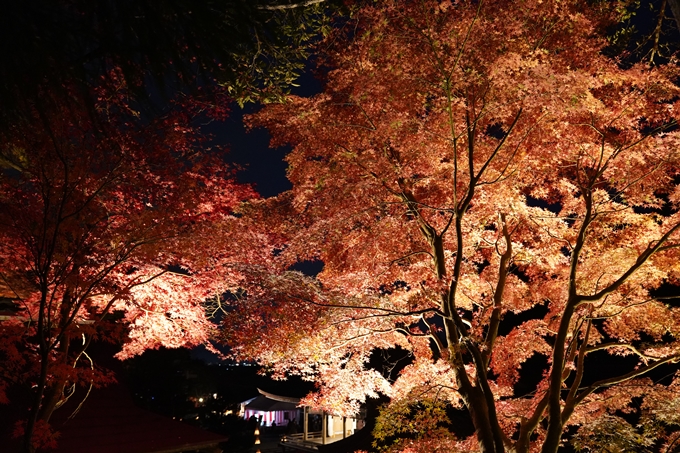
<point x="262" y="166"/>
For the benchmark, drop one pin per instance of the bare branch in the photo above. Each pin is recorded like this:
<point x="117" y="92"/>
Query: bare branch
<point x="625" y="377"/>
<point x="481" y="171"/>
<point x="495" y="320"/>
<point x="644" y="357"/>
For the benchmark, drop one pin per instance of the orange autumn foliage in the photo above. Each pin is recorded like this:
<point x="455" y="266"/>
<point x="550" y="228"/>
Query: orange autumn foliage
<point x="468" y="161"/>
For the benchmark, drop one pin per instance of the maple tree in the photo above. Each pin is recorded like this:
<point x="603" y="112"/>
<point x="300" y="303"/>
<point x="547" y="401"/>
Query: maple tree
<point x="470" y="164"/>
<point x="109" y="238"/>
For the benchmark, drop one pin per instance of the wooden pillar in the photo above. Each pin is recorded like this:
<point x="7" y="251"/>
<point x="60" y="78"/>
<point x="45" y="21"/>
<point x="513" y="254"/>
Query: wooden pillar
<point x="344" y="427"/>
<point x="324" y="427"/>
<point x="305" y="423"/>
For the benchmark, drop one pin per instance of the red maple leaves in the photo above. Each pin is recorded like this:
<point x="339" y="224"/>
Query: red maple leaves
<point x="109" y="218"/>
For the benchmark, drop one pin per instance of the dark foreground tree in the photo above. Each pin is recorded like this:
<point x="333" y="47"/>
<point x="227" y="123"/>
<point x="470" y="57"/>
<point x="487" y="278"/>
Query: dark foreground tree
<point x="469" y="162"/>
<point x="108" y="237"/>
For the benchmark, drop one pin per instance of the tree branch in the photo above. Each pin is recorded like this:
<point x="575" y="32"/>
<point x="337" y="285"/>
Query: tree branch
<point x="649" y="251"/>
<point x="387" y="311"/>
<point x="498" y="293"/>
<point x="600" y="347"/>
<point x="570" y="402"/>
<point x="625" y="377"/>
<point x="290" y="5"/>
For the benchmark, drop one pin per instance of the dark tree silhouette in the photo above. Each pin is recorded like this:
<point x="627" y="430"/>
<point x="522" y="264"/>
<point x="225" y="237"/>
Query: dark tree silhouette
<point x="158" y="48"/>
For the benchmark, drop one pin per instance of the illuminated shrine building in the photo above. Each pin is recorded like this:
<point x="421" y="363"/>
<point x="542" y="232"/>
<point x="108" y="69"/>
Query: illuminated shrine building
<point x="310" y="427"/>
<point x="268" y="408"/>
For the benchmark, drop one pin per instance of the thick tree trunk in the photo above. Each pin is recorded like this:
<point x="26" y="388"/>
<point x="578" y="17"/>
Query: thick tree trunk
<point x="47" y="397"/>
<point x="483" y="417"/>
<point x="53" y="394"/>
<point x="472" y="396"/>
<point x="42" y="410"/>
<point x="482" y="423"/>
<point x="555" y="424"/>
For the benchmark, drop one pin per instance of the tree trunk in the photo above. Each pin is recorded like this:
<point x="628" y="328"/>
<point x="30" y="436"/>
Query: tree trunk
<point x="53" y="394"/>
<point x="480" y="419"/>
<point x="35" y="407"/>
<point x="472" y="396"/>
<point x="555" y="424"/>
<point x="47" y="398"/>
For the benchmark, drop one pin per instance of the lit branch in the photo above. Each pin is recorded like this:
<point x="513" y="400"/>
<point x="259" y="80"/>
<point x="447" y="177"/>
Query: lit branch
<point x="644" y="357"/>
<point x="291" y="5"/>
<point x="625" y="377"/>
<point x="649" y="251"/>
<point x="387" y="311"/>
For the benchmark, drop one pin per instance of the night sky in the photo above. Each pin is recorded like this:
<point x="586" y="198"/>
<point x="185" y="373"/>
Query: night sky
<point x="262" y="166"/>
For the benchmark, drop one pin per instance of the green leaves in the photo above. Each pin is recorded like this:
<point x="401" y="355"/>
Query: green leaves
<point x="408" y="422"/>
<point x="613" y="434"/>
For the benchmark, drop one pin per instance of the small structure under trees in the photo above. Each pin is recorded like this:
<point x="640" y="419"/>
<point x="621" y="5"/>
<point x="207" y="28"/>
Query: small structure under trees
<point x="312" y="427"/>
<point x="268" y="408"/>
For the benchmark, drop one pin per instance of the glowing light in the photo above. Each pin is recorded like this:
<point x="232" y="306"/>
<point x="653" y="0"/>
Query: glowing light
<point x="200" y="400"/>
<point x="215" y="395"/>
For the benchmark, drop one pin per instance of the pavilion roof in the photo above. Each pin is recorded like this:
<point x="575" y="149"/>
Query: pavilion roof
<point x="269" y="402"/>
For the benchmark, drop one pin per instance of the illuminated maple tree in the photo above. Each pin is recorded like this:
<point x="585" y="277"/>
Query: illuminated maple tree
<point x="107" y="237"/>
<point x="470" y="164"/>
